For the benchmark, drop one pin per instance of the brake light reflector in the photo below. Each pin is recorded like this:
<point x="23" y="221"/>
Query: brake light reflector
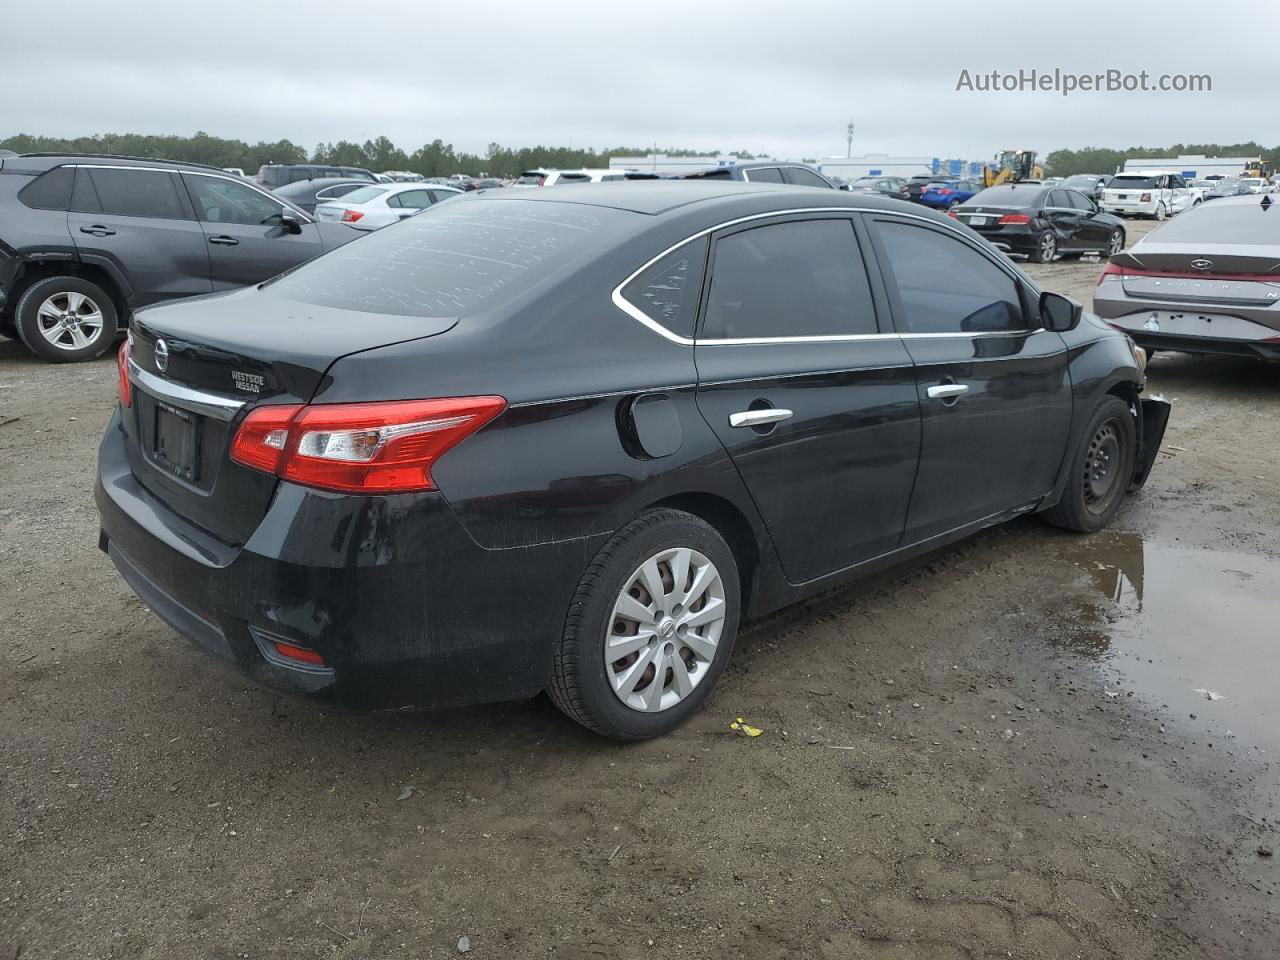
<point x="301" y="654"/>
<point x="1013" y="218"/>
<point x="123" y="387"/>
<point x="360" y="447"/>
<point x="1145" y="198"/>
<point x="351" y="216"/>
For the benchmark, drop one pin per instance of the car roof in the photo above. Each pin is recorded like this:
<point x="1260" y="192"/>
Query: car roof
<point x="657" y="197"/>
<point x="1148" y="173"/>
<point x="56" y="159"/>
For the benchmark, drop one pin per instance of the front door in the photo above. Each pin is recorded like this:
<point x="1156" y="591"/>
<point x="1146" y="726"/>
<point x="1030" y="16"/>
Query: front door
<point x="994" y="390"/>
<point x="812" y="398"/>
<point x="244" y="233"/>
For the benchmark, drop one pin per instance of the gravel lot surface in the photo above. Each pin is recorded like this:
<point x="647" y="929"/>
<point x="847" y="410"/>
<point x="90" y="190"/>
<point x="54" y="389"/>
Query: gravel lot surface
<point x="1000" y="752"/>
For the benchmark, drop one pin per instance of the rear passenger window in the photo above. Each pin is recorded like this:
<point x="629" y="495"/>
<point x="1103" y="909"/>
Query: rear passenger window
<point x="945" y="286"/>
<point x="802" y="177"/>
<point x="799" y="279"/>
<point x="667" y="292"/>
<point x="764" y="175"/>
<point x="123" y="192"/>
<point x="49" y="191"/>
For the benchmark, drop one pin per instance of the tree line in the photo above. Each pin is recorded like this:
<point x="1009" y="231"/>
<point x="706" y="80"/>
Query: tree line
<point x="1065" y="163"/>
<point x="434" y="159"/>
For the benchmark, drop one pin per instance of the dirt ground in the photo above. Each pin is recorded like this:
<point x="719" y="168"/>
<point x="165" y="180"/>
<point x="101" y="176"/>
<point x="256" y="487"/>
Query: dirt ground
<point x="976" y="758"/>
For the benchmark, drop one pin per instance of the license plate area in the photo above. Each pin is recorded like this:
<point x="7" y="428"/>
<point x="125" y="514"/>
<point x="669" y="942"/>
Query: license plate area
<point x="176" y="442"/>
<point x="980" y="221"/>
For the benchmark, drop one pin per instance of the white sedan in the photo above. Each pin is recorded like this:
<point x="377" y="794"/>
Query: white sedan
<point x="379" y="205"/>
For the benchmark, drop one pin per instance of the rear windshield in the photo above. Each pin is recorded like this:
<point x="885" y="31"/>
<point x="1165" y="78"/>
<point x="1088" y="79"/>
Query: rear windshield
<point x="532" y="179"/>
<point x="1080" y="181"/>
<point x="1223" y="221"/>
<point x="452" y="260"/>
<point x="1132" y="183"/>
<point x="364" y="194"/>
<point x="1008" y="196"/>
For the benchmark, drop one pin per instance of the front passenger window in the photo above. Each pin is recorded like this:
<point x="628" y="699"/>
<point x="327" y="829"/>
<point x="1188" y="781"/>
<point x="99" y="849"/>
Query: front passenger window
<point x="944" y="285"/>
<point x="224" y="201"/>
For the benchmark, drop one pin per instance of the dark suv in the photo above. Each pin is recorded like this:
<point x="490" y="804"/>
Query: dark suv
<point x="87" y="239"/>
<point x="274" y="175"/>
<point x="767" y="171"/>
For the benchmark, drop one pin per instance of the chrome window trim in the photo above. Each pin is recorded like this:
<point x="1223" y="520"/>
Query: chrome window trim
<point x="198" y="401"/>
<point x="623" y="304"/>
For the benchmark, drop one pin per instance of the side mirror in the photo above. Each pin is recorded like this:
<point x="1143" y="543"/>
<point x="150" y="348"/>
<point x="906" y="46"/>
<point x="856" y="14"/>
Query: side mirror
<point x="290" y="223"/>
<point x="1058" y="313"/>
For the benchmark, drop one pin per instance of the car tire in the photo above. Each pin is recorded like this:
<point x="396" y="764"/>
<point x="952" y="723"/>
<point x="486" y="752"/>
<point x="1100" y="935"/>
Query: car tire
<point x="605" y="674"/>
<point x="66" y="319"/>
<point x="1160" y="213"/>
<point x="1100" y="470"/>
<point x="1046" y="250"/>
<point x="1115" y="243"/>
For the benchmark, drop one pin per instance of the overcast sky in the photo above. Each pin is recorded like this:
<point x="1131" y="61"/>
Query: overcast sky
<point x="777" y="77"/>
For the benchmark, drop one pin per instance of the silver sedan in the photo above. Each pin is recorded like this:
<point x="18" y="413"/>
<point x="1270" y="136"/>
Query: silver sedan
<point x="380" y="205"/>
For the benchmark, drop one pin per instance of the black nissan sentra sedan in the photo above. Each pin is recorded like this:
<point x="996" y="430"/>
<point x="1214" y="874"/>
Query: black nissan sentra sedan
<point x="569" y="441"/>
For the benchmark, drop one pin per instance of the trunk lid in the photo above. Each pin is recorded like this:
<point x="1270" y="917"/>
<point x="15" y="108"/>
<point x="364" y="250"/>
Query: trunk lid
<point x="1242" y="275"/>
<point x="220" y="358"/>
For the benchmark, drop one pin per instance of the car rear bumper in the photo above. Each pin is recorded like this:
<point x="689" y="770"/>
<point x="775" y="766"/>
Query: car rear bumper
<point x="1185" y="328"/>
<point x="403" y="606"/>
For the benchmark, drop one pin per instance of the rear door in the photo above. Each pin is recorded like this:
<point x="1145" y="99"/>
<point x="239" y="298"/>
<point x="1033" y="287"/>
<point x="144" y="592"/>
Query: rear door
<point x="994" y="391"/>
<point x="1093" y="232"/>
<point x="812" y="398"/>
<point x="244" y="232"/>
<point x="137" y="223"/>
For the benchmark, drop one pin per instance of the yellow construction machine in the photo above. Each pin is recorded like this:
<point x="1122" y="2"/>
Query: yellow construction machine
<point x="1011" y="166"/>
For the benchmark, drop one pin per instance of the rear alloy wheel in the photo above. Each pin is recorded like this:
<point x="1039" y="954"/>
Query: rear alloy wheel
<point x="1100" y="471"/>
<point x="650" y="628"/>
<point x="1115" y="243"/>
<point x="1046" y="248"/>
<point x="1160" y="211"/>
<point x="66" y="319"/>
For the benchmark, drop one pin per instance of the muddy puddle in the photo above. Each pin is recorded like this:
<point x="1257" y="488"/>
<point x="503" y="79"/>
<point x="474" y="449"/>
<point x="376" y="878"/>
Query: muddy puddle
<point x="1196" y="631"/>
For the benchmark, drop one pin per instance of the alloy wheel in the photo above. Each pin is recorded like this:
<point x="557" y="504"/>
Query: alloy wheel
<point x="665" y="629"/>
<point x="1102" y="467"/>
<point x="1115" y="244"/>
<point x="1048" y="247"/>
<point x="1160" y="214"/>
<point x="70" y="320"/>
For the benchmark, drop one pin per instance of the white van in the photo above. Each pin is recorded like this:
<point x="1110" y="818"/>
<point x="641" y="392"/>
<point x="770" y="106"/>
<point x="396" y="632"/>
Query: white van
<point x="1149" y="193"/>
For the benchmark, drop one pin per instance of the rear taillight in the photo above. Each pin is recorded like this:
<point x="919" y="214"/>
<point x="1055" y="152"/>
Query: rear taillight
<point x="123" y="387"/>
<point x="945" y="191"/>
<point x="1013" y="218"/>
<point x="1110" y="270"/>
<point x="953" y="215"/>
<point x="351" y="216"/>
<point x="360" y="447"/>
<point x="1146" y="198"/>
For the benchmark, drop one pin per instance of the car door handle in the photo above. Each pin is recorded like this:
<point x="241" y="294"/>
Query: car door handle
<point x="224" y="241"/>
<point x="947" y="391"/>
<point x="759" y="418"/>
<point x="98" y="230"/>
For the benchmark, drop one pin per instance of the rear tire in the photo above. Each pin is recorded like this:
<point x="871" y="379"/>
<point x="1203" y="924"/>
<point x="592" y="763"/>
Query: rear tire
<point x="1099" y="471"/>
<point x="615" y="668"/>
<point x="1046" y="250"/>
<point x="1160" y="213"/>
<point x="66" y="319"/>
<point x="1115" y="243"/>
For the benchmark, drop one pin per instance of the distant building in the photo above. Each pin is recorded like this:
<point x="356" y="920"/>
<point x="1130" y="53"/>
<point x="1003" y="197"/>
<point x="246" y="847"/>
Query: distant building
<point x="1196" y="166"/>
<point x="848" y="168"/>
